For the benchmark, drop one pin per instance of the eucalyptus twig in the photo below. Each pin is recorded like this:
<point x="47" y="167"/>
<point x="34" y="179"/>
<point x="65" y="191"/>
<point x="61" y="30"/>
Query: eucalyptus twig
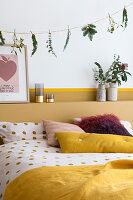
<point x="117" y="72"/>
<point x="125" y="18"/>
<point x="35" y="44"/>
<point x="99" y="75"/>
<point x="49" y="45"/>
<point x="113" y="25"/>
<point x="17" y="43"/>
<point x="67" y="39"/>
<point x="89" y="30"/>
<point x="2" y="39"/>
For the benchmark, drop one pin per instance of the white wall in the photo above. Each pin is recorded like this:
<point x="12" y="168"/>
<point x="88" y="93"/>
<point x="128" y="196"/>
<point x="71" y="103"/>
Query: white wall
<point x="73" y="68"/>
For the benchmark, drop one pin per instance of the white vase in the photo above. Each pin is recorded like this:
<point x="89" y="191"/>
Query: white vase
<point x="101" y="93"/>
<point x="112" y="92"/>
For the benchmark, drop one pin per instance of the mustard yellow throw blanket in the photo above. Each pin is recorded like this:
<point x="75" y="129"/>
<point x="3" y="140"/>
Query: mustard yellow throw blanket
<point x="113" y="181"/>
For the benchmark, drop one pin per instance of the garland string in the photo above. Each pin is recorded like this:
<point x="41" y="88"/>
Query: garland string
<point x="72" y="28"/>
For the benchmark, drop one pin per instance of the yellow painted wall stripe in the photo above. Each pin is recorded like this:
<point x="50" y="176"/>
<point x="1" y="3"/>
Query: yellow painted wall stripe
<point x="125" y="89"/>
<point x="78" y="89"/>
<point x="67" y="89"/>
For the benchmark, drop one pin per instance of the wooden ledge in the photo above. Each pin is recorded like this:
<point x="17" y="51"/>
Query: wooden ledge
<point x="64" y="111"/>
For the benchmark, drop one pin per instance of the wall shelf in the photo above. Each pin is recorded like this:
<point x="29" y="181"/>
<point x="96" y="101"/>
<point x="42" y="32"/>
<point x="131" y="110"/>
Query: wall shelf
<point x="64" y="111"/>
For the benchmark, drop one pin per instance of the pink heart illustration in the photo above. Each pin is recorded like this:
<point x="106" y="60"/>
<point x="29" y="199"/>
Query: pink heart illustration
<point x="7" y="69"/>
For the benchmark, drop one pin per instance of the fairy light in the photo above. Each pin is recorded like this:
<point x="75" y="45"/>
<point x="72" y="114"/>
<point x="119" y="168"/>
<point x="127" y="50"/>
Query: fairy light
<point x="11" y="33"/>
<point x="20" y="35"/>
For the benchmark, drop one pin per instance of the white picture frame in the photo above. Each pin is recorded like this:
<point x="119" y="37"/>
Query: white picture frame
<point x="14" y="83"/>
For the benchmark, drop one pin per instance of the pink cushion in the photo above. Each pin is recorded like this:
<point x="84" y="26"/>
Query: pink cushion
<point x="52" y="127"/>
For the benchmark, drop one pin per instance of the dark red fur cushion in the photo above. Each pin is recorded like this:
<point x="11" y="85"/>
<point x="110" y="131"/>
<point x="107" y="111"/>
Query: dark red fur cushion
<point x="104" y="124"/>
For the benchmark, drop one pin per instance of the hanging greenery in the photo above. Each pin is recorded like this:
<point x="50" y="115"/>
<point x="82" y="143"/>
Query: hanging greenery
<point x="34" y="43"/>
<point x="2" y="39"/>
<point x="125" y="18"/>
<point x="67" y="39"/>
<point x="89" y="30"/>
<point x="49" y="44"/>
<point x="17" y="43"/>
<point x="113" y="25"/>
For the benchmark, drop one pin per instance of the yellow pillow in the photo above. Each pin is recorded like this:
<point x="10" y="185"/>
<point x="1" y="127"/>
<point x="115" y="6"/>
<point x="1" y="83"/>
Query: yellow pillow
<point x="94" y="143"/>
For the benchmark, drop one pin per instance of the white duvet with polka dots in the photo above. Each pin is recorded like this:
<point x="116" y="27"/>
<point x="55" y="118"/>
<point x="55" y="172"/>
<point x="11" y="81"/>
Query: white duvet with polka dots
<point x="20" y="156"/>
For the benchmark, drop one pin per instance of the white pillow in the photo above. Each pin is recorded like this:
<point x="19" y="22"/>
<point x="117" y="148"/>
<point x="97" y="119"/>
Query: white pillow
<point x="126" y="124"/>
<point x="77" y="120"/>
<point x="21" y="131"/>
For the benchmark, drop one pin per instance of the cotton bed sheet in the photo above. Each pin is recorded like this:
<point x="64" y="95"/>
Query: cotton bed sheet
<point x="20" y="156"/>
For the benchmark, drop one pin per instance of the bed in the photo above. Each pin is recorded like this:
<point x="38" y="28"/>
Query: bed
<point x="18" y="157"/>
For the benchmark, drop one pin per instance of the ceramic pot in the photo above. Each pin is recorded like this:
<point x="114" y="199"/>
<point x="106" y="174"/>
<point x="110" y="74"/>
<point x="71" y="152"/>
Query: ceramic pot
<point x="101" y="93"/>
<point x="112" y="92"/>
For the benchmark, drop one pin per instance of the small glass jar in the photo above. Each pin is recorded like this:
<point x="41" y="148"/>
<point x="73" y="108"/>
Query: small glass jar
<point x="50" y="98"/>
<point x="39" y="92"/>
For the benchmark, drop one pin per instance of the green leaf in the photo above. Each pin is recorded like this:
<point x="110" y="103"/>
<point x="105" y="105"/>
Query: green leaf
<point x="84" y="28"/>
<point x="85" y="32"/>
<point x="67" y="39"/>
<point x="89" y="30"/>
<point x="109" y="80"/>
<point x="99" y="66"/>
<point x="125" y="77"/>
<point x="119" y="82"/>
<point x="92" y="26"/>
<point x="34" y="43"/>
<point x="128" y="73"/>
<point x="92" y="31"/>
<point x="90" y="36"/>
<point x="2" y="39"/>
<point x="125" y="18"/>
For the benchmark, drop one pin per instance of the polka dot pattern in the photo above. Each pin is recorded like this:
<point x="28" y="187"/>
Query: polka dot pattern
<point x="7" y="172"/>
<point x="21" y="131"/>
<point x="7" y="182"/>
<point x="7" y="164"/>
<point x="18" y="157"/>
<point x="18" y="163"/>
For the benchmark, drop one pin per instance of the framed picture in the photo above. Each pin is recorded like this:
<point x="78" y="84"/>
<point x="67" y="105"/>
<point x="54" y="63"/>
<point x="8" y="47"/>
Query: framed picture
<point x="14" y="86"/>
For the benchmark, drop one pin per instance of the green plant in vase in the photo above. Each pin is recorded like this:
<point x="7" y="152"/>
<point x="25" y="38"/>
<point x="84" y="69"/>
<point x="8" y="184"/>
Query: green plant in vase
<point x="101" y="78"/>
<point x="116" y="74"/>
<point x="99" y="75"/>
